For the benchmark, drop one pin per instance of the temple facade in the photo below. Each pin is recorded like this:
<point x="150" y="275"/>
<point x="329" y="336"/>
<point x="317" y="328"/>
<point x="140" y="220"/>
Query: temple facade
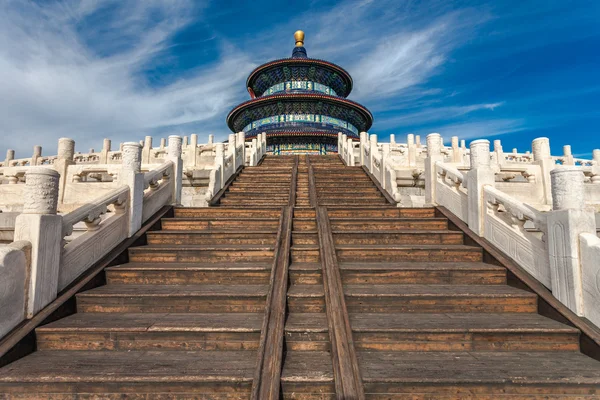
<point x="301" y="104"/>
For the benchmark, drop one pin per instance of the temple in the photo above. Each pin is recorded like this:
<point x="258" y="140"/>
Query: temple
<point x="301" y="104"/>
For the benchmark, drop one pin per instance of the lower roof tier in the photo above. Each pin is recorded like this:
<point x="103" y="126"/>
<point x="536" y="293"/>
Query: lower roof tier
<point x="303" y="108"/>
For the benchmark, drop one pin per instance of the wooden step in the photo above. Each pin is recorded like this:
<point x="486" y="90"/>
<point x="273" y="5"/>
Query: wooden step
<point x="488" y="375"/>
<point x="305" y="237"/>
<point x="390" y="253"/>
<point x="305" y="273"/>
<point x="173" y="299"/>
<point x="307" y="332"/>
<point x="211" y="238"/>
<point x="224" y="223"/>
<point x="147" y="331"/>
<point x="306" y="299"/>
<point x="201" y="253"/>
<point x="389" y="298"/>
<point x="461" y="332"/>
<point x="307" y="375"/>
<point x="327" y="201"/>
<point x="380" y="212"/>
<point x="223" y="212"/>
<point x="376" y="224"/>
<point x="151" y="374"/>
<point x="304" y="224"/>
<point x="305" y="253"/>
<point x="255" y="202"/>
<point x="394" y="237"/>
<point x="401" y="272"/>
<point x="189" y="273"/>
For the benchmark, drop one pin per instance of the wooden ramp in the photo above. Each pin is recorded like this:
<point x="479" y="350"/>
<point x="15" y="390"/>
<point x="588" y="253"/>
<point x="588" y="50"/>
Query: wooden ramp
<point x="306" y="282"/>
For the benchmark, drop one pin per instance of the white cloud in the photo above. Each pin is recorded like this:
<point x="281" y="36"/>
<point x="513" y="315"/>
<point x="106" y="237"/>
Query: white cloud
<point x="64" y="73"/>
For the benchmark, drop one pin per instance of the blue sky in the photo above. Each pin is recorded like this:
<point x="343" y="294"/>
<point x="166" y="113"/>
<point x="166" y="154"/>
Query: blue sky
<point x="509" y="70"/>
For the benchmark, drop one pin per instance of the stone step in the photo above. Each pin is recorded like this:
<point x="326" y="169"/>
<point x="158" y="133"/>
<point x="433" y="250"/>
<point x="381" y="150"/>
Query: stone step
<point x="173" y="299"/>
<point x="201" y="253"/>
<point x="426" y="272"/>
<point x="307" y="332"/>
<point x="185" y="237"/>
<point x="307" y="375"/>
<point x="389" y="298"/>
<point x="127" y="374"/>
<point x="376" y="224"/>
<point x="231" y="273"/>
<point x="390" y="253"/>
<point x="306" y="299"/>
<point x="461" y="332"/>
<point x="349" y="194"/>
<point x="267" y="224"/>
<point x="255" y="202"/>
<point x="148" y="331"/>
<point x="482" y="375"/>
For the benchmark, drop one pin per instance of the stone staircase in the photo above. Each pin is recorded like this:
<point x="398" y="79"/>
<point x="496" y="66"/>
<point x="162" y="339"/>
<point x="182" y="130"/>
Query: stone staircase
<point x="305" y="282"/>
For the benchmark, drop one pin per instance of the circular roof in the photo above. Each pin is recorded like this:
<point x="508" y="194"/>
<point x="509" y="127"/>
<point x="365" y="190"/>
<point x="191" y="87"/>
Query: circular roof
<point x="295" y="103"/>
<point x="324" y="72"/>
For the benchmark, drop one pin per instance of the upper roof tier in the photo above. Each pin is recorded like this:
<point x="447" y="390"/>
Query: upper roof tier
<point x="299" y="73"/>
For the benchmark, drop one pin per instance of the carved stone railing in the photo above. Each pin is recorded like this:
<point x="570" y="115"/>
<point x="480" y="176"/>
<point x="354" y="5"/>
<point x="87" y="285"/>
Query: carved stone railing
<point x="518" y="231"/>
<point x="101" y="235"/>
<point x="450" y="190"/>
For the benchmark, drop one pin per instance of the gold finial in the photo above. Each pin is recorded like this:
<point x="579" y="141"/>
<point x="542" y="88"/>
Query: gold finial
<point x="299" y="36"/>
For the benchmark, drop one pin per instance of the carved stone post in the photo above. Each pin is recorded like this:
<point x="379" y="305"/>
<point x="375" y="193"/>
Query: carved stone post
<point x="363" y="142"/>
<point x="211" y="139"/>
<point x="163" y="143"/>
<point x="10" y="155"/>
<point x="185" y="141"/>
<point x="105" y="150"/>
<point x="481" y="174"/>
<point x="418" y="141"/>
<point x="343" y="151"/>
<point x="596" y="156"/>
<point x="220" y="161"/>
<point x="566" y="222"/>
<point x="232" y="149"/>
<point x="350" y="160"/>
<point x="568" y="155"/>
<point x="192" y="151"/>
<point x="542" y="157"/>
<point x="66" y="152"/>
<point x="39" y="225"/>
<point x="385" y="153"/>
<point x="434" y="154"/>
<point x="174" y="155"/>
<point x="241" y="141"/>
<point x="392" y="139"/>
<point x="373" y="147"/>
<point x="340" y="144"/>
<point x="37" y="154"/>
<point x="498" y="153"/>
<point x="147" y="150"/>
<point x="412" y="150"/>
<point x="132" y="176"/>
<point x="456" y="156"/>
<point x="255" y="153"/>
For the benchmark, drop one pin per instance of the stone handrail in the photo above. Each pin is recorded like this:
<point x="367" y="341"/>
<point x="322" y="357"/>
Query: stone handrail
<point x="153" y="176"/>
<point x="539" y="210"/>
<point x="91" y="213"/>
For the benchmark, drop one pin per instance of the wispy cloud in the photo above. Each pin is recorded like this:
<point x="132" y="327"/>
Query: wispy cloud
<point x="73" y="69"/>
